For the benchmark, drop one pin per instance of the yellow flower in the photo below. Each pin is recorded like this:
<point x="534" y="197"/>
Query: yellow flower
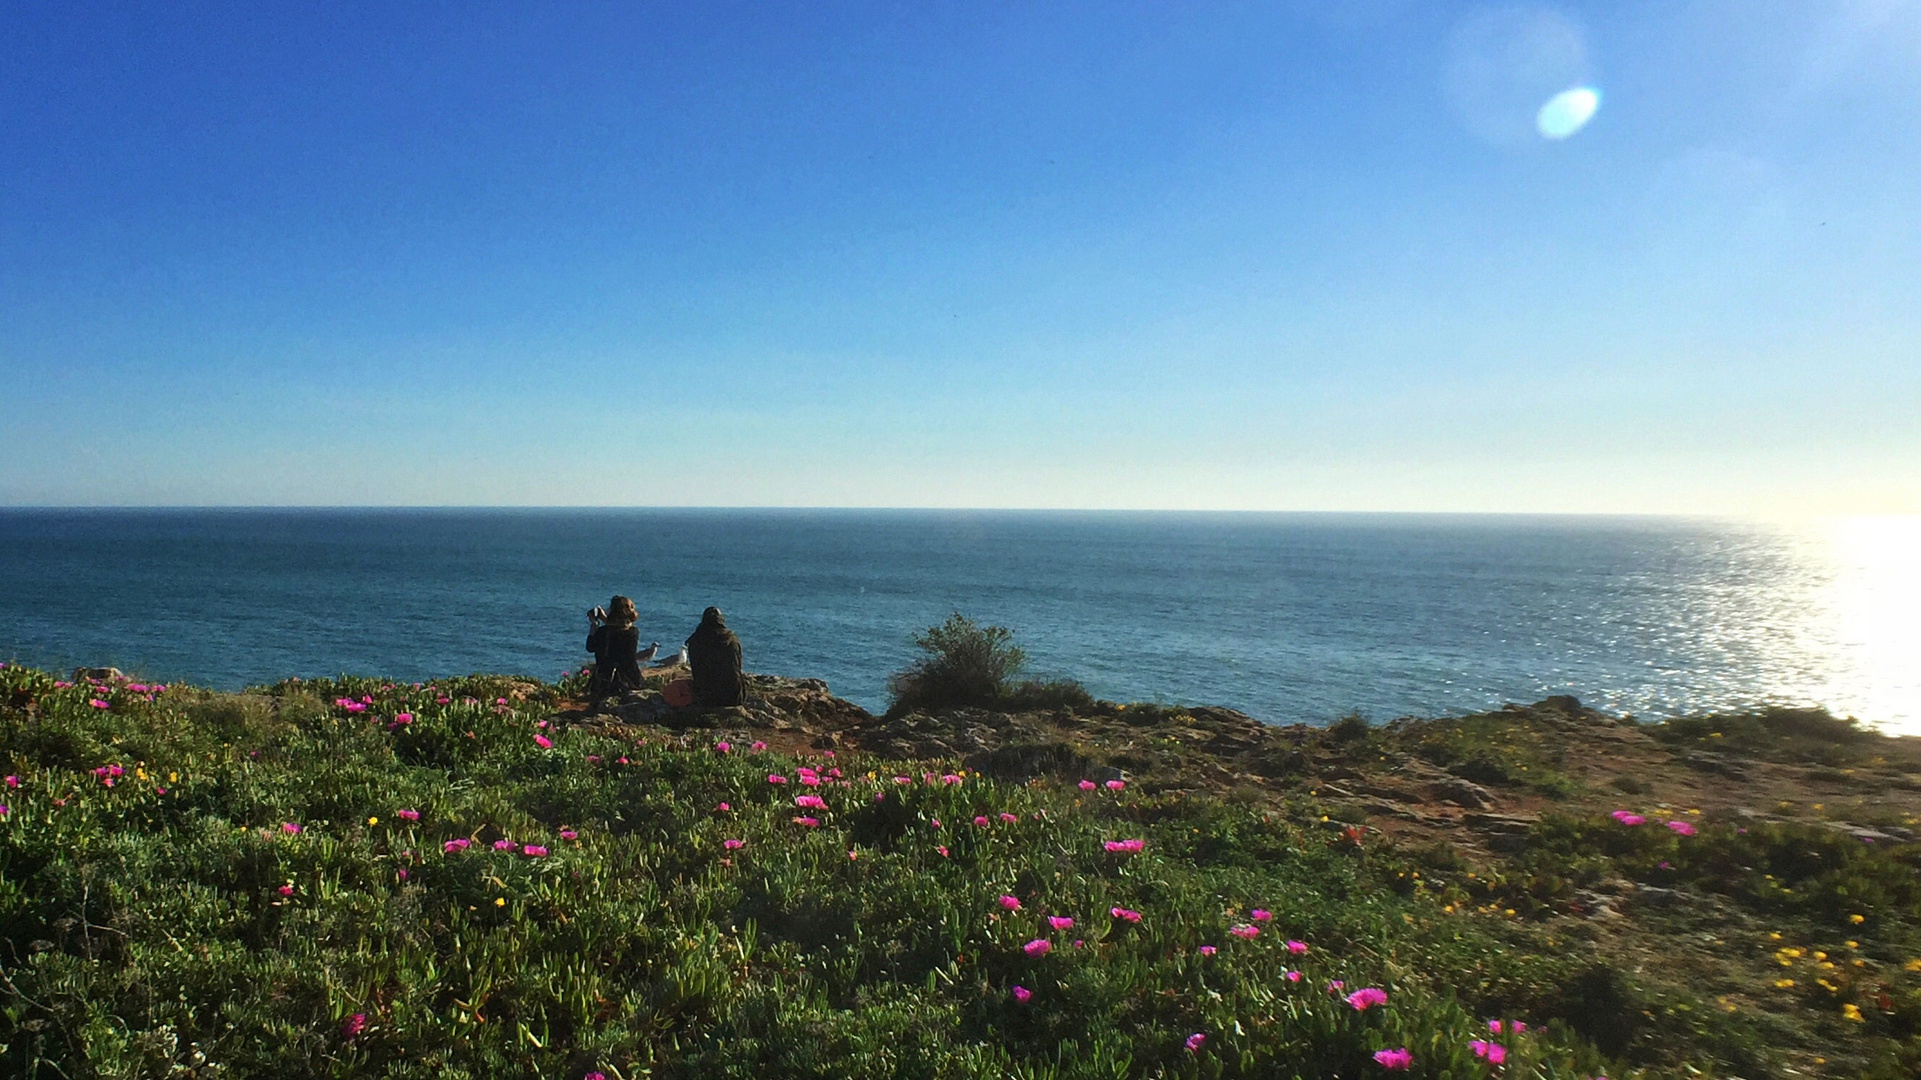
<point x="1851" y="1012"/>
<point x="1783" y="984"/>
<point x="172" y="777"/>
<point x="1818" y="955"/>
<point x="1857" y="919"/>
<point x="1774" y="935"/>
<point x="373" y="821"/>
<point x="1912" y="965"/>
<point x="1852" y="944"/>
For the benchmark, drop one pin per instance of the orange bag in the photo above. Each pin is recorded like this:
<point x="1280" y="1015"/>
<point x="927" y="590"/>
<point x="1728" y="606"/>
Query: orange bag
<point x="679" y="693"/>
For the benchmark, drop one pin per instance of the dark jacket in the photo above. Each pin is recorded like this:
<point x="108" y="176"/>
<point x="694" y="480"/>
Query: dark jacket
<point x="615" y="667"/>
<point x="713" y="652"/>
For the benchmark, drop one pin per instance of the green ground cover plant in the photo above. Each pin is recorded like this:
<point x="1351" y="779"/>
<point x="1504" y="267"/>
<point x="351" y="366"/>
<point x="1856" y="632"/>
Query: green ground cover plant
<point x="352" y="877"/>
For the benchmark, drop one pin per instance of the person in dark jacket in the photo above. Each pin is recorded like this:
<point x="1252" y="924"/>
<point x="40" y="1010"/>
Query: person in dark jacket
<point x="713" y="652"/>
<point x="615" y="643"/>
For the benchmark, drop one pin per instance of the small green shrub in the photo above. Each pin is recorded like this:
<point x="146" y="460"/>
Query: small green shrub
<point x="963" y="665"/>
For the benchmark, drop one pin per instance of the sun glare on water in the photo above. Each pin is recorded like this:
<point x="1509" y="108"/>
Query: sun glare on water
<point x="1877" y="618"/>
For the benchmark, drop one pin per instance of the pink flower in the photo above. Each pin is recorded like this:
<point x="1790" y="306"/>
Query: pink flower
<point x="407" y="815"/>
<point x="942" y="848"/>
<point x="1681" y="827"/>
<point x="1208" y="950"/>
<point x="733" y="845"/>
<point x="1022" y="993"/>
<point x="459" y="843"/>
<point x="285" y="890"/>
<point x="596" y="1075"/>
<point x="543" y="742"/>
<point x="442" y="699"/>
<point x="810" y="779"/>
<point x="950" y="779"/>
<point x="403" y="873"/>
<point x="723" y="808"/>
<point x="1291" y="976"/>
<point x="1366" y="997"/>
<point x="569" y="834"/>
<point x="13" y="781"/>
<point x="289" y="828"/>
<point x="97" y="703"/>
<point x="810" y="802"/>
<point x="1088" y="785"/>
<point x="533" y="851"/>
<point x="1123" y="846"/>
<point x="1194" y="1042"/>
<point x="1060" y="922"/>
<point x="758" y="746"/>
<point x="1038" y="947"/>
<point x="353" y="1025"/>
<point x="1393" y="1059"/>
<point x="403" y="718"/>
<point x="933" y="823"/>
<point x="1115" y="785"/>
<point x="1244" y="931"/>
<point x="1260" y="915"/>
<point x="500" y="701"/>
<point x="1512" y="1027"/>
<point x="503" y="845"/>
<point x="981" y="820"/>
<point x="1008" y="819"/>
<point x="1297" y="947"/>
<point x="1626" y="818"/>
<point x="776" y="778"/>
<point x="1335" y="986"/>
<point x="1125" y="914"/>
<point x="1494" y="1053"/>
<point x="1010" y="903"/>
<point x="806" y="822"/>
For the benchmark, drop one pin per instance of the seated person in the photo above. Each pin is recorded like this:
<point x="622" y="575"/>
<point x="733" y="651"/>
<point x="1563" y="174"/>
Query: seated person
<point x="615" y="643"/>
<point x="713" y="652"/>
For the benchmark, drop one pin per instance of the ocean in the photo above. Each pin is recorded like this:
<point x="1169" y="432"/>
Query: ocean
<point x="1289" y="617"/>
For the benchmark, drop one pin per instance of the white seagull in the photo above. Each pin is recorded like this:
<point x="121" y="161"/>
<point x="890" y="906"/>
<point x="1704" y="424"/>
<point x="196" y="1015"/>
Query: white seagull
<point x="647" y="653"/>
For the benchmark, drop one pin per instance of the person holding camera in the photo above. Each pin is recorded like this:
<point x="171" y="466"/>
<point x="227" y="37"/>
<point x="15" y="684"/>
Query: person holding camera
<point x="615" y="643"/>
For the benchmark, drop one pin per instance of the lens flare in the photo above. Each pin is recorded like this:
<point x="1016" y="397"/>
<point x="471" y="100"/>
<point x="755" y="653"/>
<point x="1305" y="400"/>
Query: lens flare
<point x="1567" y="112"/>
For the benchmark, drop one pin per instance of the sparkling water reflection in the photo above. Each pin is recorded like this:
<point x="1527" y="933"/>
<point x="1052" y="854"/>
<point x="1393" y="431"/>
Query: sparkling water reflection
<point x="1287" y="616"/>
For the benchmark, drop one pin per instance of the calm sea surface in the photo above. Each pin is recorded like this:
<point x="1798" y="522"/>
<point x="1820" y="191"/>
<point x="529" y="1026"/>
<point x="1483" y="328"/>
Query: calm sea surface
<point x="1286" y="616"/>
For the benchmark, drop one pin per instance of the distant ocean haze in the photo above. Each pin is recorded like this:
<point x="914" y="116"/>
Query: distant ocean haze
<point x="1289" y="617"/>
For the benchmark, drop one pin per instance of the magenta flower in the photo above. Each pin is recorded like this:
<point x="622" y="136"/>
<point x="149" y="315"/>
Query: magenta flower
<point x="353" y="1025"/>
<point x="1010" y="903"/>
<point x="758" y="746"/>
<point x="942" y="848"/>
<point x="1366" y="997"/>
<point x="810" y="779"/>
<point x="1244" y="931"/>
<point x="1260" y="915"/>
<point x="1038" y="947"/>
<point x="1397" y="1058"/>
<point x="1088" y="785"/>
<point x="407" y="815"/>
<point x="1681" y="827"/>
<point x="459" y="843"/>
<point x="13" y="781"/>
<point x="569" y="834"/>
<point x="806" y="822"/>
<point x="1208" y="950"/>
<point x="1194" y="1042"/>
<point x="733" y="845"/>
<point x="1512" y="1027"/>
<point x="1335" y="986"/>
<point x="1291" y="976"/>
<point x="981" y="820"/>
<point x="1297" y="947"/>
<point x="1008" y="819"/>
<point x="950" y="779"/>
<point x="1123" y="846"/>
<point x="403" y="718"/>
<point x="810" y="802"/>
<point x="533" y="851"/>
<point x="1022" y="993"/>
<point x="1494" y="1053"/>
<point x="289" y="828"/>
<point x="285" y="890"/>
<point x="543" y="742"/>
<point x="722" y="746"/>
<point x="723" y="808"/>
<point x="595" y="1075"/>
<point x="1116" y="785"/>
<point x="1125" y="914"/>
<point x="1627" y="819"/>
<point x="903" y="779"/>
<point x="1060" y="922"/>
<point x="97" y="703"/>
<point x="503" y="845"/>
<point x="776" y="778"/>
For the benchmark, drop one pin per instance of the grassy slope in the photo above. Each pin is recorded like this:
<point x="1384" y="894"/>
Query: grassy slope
<point x="169" y="925"/>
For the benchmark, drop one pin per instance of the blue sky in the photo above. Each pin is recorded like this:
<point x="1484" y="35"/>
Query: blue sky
<point x="1247" y="256"/>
